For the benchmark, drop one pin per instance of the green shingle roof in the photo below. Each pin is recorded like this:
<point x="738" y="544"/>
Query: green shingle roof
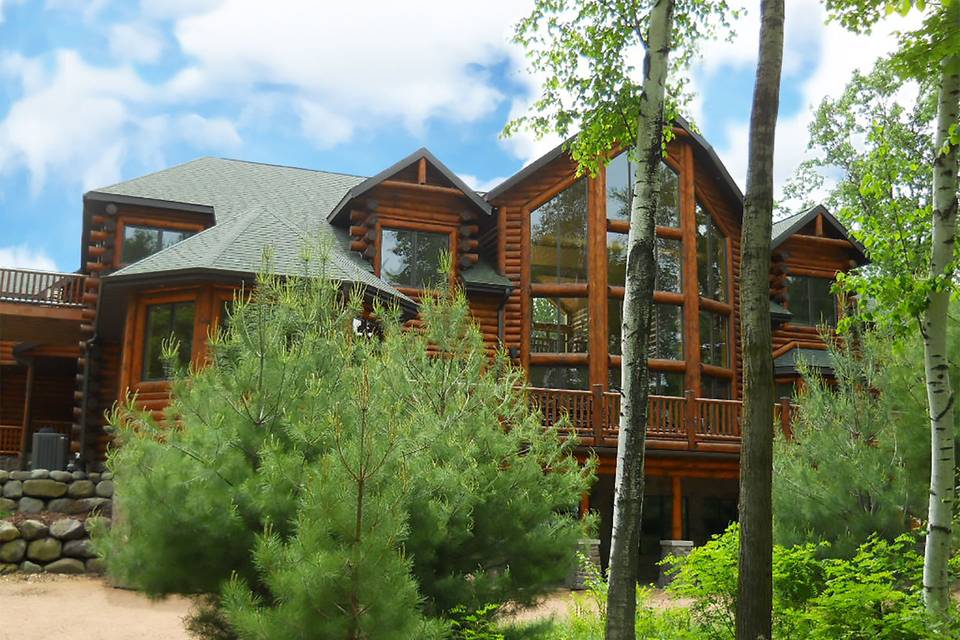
<point x="816" y="358"/>
<point x="258" y="206"/>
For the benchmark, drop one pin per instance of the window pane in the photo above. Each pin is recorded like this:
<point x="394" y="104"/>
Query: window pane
<point x="550" y="377"/>
<point x="168" y="237"/>
<point x="798" y="300"/>
<point x="811" y="302"/>
<point x="669" y="264"/>
<point x="662" y="383"/>
<point x="165" y="321"/>
<point x="666" y="336"/>
<point x="620" y="177"/>
<point x="559" y="325"/>
<point x="139" y="242"/>
<point x="785" y="389"/>
<point x="412" y="258"/>
<point x="714" y="334"/>
<point x="711" y="257"/>
<point x="718" y="388"/>
<point x="558" y="237"/>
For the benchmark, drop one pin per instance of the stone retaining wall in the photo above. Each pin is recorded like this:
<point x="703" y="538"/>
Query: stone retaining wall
<point x="47" y="519"/>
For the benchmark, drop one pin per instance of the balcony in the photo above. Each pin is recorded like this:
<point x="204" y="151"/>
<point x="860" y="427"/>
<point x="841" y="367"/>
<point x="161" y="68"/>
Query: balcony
<point x="674" y="423"/>
<point x="41" y="293"/>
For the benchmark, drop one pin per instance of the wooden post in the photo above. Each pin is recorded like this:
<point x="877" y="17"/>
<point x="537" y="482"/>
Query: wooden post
<point x="691" y="287"/>
<point x="422" y="171"/>
<point x="690" y="417"/>
<point x="597" y="413"/>
<point x="584" y="505"/>
<point x="785" y="418"/>
<point x="25" y="427"/>
<point x="677" y="528"/>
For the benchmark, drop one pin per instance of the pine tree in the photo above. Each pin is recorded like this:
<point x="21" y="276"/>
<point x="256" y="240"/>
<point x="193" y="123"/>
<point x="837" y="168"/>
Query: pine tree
<point x="327" y="481"/>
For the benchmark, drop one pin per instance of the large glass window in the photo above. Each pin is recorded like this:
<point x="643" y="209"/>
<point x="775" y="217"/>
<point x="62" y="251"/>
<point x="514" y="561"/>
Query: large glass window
<point x="557" y="377"/>
<point x="140" y="242"/>
<point x="412" y="258"/>
<point x="669" y="264"/>
<point x="620" y="176"/>
<point x="666" y="335"/>
<point x="559" y="325"/>
<point x="718" y="388"/>
<point x="662" y="383"/>
<point x="165" y="322"/>
<point x="558" y="237"/>
<point x="711" y="257"/>
<point x="811" y="301"/>
<point x="714" y="338"/>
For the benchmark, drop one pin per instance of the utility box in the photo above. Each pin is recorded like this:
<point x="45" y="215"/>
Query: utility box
<point x="50" y="450"/>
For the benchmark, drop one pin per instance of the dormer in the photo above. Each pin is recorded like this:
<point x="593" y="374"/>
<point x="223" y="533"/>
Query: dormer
<point x="402" y="219"/>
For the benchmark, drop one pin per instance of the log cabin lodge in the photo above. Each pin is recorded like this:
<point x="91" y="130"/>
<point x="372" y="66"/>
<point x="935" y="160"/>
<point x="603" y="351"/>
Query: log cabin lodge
<point x="541" y="258"/>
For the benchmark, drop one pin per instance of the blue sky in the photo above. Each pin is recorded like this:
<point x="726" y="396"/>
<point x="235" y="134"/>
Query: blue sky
<point x="97" y="91"/>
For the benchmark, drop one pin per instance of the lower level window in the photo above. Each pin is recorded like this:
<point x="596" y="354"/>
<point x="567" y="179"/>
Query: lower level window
<point x="170" y="321"/>
<point x="714" y="334"/>
<point x="662" y="383"/>
<point x="550" y="377"/>
<point x="412" y="258"/>
<point x="559" y="325"/>
<point x="718" y="388"/>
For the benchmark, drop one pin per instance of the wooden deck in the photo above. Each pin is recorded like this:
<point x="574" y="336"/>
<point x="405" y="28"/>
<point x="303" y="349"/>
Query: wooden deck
<point x="675" y="423"/>
<point x="47" y="288"/>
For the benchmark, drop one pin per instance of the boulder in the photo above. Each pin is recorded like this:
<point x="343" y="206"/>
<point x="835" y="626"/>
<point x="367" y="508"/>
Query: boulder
<point x="93" y="477"/>
<point x="105" y="489"/>
<point x="102" y="506"/>
<point x="8" y="531"/>
<point x="6" y="568"/>
<point x="96" y="565"/>
<point x="106" y="475"/>
<point x="79" y="549"/>
<point x="19" y="475"/>
<point x="65" y="565"/>
<point x="44" y="549"/>
<point x="67" y="529"/>
<point x="30" y="505"/>
<point x="81" y="489"/>
<point x="61" y="476"/>
<point x="64" y="505"/>
<point x="30" y="567"/>
<point x="78" y="475"/>
<point x="7" y="505"/>
<point x="13" y="551"/>
<point x="39" y="474"/>
<point x="4" y="474"/>
<point x="43" y="488"/>
<point x="12" y="489"/>
<point x="33" y="529"/>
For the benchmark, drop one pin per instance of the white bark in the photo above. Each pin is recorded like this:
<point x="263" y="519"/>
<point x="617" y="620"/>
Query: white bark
<point x="637" y="313"/>
<point x="936" y="592"/>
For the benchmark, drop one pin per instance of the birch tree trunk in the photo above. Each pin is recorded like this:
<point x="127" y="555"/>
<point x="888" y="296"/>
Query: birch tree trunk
<point x="940" y="398"/>
<point x="637" y="314"/>
<point x="755" y="586"/>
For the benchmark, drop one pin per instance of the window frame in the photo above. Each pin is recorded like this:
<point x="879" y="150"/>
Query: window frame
<point x="406" y="225"/>
<point x="123" y="222"/>
<point x="137" y="346"/>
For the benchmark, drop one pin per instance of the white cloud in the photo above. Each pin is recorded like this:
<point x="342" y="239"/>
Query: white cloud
<point x="478" y="184"/>
<point x="838" y="53"/>
<point x="83" y="121"/>
<point x="25" y="257"/>
<point x="135" y="42"/>
<point x="354" y="65"/>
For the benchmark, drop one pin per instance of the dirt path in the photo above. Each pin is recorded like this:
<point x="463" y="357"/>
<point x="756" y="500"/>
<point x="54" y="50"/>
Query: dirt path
<point x="39" y="607"/>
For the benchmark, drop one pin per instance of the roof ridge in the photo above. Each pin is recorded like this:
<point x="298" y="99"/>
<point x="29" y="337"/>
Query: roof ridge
<point x="288" y="166"/>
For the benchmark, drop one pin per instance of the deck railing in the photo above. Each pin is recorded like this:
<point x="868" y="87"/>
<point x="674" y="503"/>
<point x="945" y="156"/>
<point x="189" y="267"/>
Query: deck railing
<point x="687" y="422"/>
<point x="41" y="287"/>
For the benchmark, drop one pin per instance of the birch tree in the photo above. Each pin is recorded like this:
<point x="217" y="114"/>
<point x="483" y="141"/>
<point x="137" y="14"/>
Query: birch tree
<point x="591" y="87"/>
<point x="755" y="579"/>
<point x="930" y="51"/>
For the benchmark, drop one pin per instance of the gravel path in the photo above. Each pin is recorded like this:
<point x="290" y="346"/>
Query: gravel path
<point x="38" y="607"/>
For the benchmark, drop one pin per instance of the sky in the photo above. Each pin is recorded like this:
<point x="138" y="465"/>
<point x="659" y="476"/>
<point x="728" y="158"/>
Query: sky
<point x="93" y="92"/>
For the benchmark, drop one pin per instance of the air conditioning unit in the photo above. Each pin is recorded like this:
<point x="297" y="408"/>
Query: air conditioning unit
<point x="50" y="450"/>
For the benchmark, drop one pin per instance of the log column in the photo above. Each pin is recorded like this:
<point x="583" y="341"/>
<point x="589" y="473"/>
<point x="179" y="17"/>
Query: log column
<point x="677" y="521"/>
<point x="27" y="402"/>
